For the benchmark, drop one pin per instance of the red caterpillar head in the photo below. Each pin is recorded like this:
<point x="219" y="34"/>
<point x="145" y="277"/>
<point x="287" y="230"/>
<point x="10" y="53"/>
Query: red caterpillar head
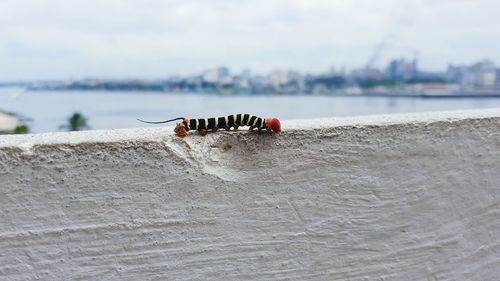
<point x="274" y="125"/>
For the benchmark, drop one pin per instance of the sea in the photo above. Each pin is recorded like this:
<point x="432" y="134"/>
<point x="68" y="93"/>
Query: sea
<point x="46" y="111"/>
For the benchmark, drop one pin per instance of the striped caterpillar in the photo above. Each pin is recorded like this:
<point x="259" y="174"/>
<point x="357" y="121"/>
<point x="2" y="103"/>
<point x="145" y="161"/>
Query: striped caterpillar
<point x="272" y="125"/>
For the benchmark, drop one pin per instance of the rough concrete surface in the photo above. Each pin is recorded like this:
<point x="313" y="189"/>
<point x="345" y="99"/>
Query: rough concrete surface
<point x="396" y="197"/>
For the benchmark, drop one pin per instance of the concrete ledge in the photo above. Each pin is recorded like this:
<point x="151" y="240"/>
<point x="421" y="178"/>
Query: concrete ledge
<point x="396" y="197"/>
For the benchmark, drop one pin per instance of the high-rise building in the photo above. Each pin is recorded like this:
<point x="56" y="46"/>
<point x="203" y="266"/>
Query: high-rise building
<point x="223" y="72"/>
<point x="281" y="77"/>
<point x="216" y="75"/>
<point x="401" y="69"/>
<point x="246" y="74"/>
<point x="481" y="74"/>
<point x="485" y="73"/>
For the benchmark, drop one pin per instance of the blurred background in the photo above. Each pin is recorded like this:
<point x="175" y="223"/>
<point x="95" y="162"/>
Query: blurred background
<point x="75" y="65"/>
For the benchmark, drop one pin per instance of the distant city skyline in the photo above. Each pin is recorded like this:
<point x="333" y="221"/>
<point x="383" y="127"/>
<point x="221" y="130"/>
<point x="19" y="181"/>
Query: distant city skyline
<point x="153" y="39"/>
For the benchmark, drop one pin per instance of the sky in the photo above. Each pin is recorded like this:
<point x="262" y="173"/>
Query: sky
<point x="151" y="39"/>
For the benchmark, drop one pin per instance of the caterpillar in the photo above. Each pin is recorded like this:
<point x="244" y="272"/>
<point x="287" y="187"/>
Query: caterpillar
<point x="271" y="125"/>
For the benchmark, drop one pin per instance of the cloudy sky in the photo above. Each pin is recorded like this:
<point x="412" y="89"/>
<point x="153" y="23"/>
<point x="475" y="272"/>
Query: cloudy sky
<point x="56" y="39"/>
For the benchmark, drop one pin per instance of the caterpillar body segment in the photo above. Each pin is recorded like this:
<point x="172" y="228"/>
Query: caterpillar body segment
<point x="226" y="122"/>
<point x="202" y="125"/>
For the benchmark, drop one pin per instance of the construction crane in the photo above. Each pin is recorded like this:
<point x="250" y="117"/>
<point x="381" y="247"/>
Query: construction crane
<point x="379" y="48"/>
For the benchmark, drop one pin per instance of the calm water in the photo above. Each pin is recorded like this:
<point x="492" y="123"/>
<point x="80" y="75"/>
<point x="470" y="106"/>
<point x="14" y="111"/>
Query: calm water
<point x="118" y="110"/>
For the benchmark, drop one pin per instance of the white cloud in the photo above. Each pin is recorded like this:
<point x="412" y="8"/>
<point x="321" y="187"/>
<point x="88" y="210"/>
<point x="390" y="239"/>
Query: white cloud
<point x="153" y="38"/>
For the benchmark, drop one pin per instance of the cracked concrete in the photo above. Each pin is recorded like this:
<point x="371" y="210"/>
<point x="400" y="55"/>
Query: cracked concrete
<point x="396" y="197"/>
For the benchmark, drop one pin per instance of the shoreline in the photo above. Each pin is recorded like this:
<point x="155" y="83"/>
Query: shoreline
<point x="395" y="94"/>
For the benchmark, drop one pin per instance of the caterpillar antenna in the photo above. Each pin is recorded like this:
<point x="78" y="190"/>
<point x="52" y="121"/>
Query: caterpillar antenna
<point x="160" y="122"/>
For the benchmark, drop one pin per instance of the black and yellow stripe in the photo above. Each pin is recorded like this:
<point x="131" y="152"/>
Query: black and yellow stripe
<point x="226" y="122"/>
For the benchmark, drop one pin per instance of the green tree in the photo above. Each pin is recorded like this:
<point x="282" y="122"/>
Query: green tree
<point x="76" y="122"/>
<point x="21" y="129"/>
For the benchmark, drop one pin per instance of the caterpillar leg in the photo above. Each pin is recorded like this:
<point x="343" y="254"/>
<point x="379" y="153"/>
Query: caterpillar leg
<point x="236" y="127"/>
<point x="251" y="128"/>
<point x="227" y="128"/>
<point x="214" y="130"/>
<point x="269" y="131"/>
<point x="203" y="132"/>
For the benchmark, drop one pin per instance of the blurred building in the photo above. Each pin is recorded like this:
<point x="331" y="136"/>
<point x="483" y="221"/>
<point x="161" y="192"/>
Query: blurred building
<point x="246" y="74"/>
<point x="223" y="72"/>
<point x="401" y="69"/>
<point x="479" y="75"/>
<point x="283" y="77"/>
<point x="367" y="73"/>
<point x="279" y="77"/>
<point x="216" y="75"/>
<point x="337" y="72"/>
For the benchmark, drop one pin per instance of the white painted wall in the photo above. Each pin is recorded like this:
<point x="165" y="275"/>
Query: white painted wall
<point x="401" y="197"/>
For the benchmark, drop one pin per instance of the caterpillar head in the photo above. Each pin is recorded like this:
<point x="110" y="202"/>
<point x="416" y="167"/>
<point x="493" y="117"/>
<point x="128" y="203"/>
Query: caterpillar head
<point x="274" y="125"/>
<point x="180" y="130"/>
